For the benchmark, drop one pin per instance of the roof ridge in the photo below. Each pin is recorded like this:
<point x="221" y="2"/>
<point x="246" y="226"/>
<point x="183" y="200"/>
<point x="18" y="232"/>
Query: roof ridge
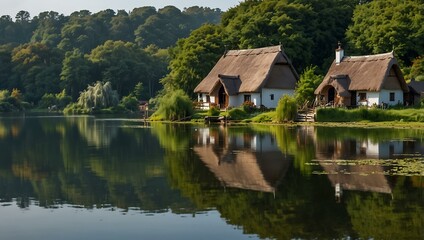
<point x="374" y="55"/>
<point x="256" y="51"/>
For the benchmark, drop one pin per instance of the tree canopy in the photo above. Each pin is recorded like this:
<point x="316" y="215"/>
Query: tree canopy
<point x="51" y="52"/>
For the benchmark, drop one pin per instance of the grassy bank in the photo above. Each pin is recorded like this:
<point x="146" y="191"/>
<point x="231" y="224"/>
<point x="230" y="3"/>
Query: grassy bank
<point x="371" y="115"/>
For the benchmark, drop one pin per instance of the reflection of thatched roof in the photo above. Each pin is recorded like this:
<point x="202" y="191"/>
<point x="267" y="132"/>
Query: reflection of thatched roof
<point x="259" y="171"/>
<point x="361" y="178"/>
<point x="367" y="73"/>
<point x="256" y="68"/>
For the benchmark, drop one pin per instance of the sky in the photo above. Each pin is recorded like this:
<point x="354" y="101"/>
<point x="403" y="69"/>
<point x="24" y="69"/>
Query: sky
<point x="66" y="7"/>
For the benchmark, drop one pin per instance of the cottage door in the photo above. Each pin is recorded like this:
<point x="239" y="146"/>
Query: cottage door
<point x="222" y="97"/>
<point x="331" y="95"/>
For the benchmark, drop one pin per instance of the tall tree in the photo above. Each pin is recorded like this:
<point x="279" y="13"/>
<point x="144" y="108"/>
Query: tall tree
<point x="49" y="25"/>
<point x="76" y="73"/>
<point x="193" y="58"/>
<point x="123" y="64"/>
<point x="382" y="26"/>
<point x="38" y="67"/>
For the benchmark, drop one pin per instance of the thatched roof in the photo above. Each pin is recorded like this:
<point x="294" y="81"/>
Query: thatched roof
<point x="365" y="73"/>
<point x="417" y="87"/>
<point x="254" y="68"/>
<point x="258" y="171"/>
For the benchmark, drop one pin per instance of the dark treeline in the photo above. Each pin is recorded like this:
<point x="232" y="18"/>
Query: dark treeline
<point x="171" y="49"/>
<point x="51" y="52"/>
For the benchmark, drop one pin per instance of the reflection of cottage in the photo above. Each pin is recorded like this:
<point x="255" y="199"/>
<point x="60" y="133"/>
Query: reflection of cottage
<point x="362" y="80"/>
<point x="245" y="161"/>
<point x="261" y="76"/>
<point x="347" y="175"/>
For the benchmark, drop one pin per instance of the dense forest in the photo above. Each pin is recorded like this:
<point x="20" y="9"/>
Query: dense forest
<point x="52" y="52"/>
<point x="154" y="52"/>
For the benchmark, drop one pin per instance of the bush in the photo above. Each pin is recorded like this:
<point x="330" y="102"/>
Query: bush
<point x="173" y="106"/>
<point x="59" y="100"/>
<point x="213" y="111"/>
<point x="237" y="114"/>
<point x="364" y="114"/>
<point x="286" y="109"/>
<point x="74" y="108"/>
<point x="248" y="106"/>
<point x="264" y="117"/>
<point x="7" y="107"/>
<point x="130" y="103"/>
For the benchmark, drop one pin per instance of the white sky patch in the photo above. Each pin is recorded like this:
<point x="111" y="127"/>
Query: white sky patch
<point x="66" y="7"/>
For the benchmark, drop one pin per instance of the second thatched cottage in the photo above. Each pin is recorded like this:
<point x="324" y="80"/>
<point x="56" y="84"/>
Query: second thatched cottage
<point x="260" y="76"/>
<point x="374" y="80"/>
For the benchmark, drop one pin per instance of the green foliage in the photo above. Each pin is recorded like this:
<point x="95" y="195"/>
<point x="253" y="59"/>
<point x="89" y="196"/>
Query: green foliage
<point x="125" y="65"/>
<point x="173" y="106"/>
<point x="373" y="114"/>
<point x="237" y="114"/>
<point x="130" y="103"/>
<point x="286" y="109"/>
<point x="193" y="58"/>
<point x="382" y="26"/>
<point x="98" y="96"/>
<point x="55" y="101"/>
<point x="76" y="73"/>
<point x="138" y="90"/>
<point x="50" y="50"/>
<point x="307" y="29"/>
<point x="213" y="111"/>
<point x="11" y="102"/>
<point x="248" y="106"/>
<point x="308" y="82"/>
<point x="169" y="24"/>
<point x="417" y="68"/>
<point x="38" y="67"/>
<point x="265" y="117"/>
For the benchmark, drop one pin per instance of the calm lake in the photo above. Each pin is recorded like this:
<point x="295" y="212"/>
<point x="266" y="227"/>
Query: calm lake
<point x="119" y="178"/>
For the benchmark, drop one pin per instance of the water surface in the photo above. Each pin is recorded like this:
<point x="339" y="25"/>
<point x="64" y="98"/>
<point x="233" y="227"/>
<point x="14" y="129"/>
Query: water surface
<point x="110" y="178"/>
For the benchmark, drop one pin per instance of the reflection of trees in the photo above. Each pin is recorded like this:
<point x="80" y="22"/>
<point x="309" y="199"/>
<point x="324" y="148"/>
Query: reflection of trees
<point x="380" y="216"/>
<point x="296" y="141"/>
<point x="156" y="169"/>
<point x="51" y="161"/>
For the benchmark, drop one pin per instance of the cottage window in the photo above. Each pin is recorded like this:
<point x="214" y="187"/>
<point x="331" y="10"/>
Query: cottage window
<point x="247" y="98"/>
<point x="272" y="97"/>
<point x="362" y="96"/>
<point x="392" y="97"/>
<point x="208" y="98"/>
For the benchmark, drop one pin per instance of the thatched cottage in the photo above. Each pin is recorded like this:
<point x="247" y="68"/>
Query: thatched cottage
<point x="374" y="80"/>
<point x="260" y="76"/>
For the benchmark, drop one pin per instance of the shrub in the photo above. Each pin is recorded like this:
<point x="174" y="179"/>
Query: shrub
<point x="130" y="103"/>
<point x="286" y="109"/>
<point x="237" y="114"/>
<point x="213" y="111"/>
<point x="248" y="106"/>
<point x="60" y="100"/>
<point x="174" y="106"/>
<point x="7" y="107"/>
